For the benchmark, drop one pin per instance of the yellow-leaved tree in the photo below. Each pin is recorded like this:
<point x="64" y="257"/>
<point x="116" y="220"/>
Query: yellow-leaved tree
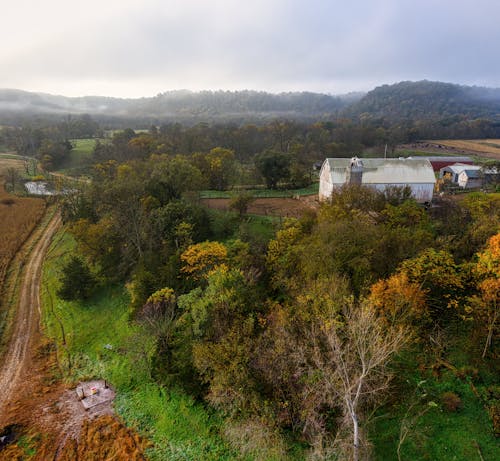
<point x="201" y="259"/>
<point x="486" y="304"/>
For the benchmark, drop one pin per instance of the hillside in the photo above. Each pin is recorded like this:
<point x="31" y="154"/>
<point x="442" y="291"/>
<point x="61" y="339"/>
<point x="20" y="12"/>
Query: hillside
<point x="405" y="101"/>
<point x="177" y="104"/>
<point x="426" y="100"/>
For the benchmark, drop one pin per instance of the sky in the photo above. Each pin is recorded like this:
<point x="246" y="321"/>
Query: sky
<point x="135" y="48"/>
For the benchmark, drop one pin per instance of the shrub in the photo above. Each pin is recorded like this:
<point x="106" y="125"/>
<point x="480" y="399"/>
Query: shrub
<point x="451" y="402"/>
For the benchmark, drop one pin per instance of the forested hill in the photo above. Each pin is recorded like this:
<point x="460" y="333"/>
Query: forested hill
<point x="426" y="100"/>
<point x="415" y="101"/>
<point x="180" y="104"/>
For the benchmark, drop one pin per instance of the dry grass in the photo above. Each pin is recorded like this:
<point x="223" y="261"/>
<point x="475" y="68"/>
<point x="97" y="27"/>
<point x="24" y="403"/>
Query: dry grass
<point x="18" y="217"/>
<point x="485" y="146"/>
<point x="104" y="439"/>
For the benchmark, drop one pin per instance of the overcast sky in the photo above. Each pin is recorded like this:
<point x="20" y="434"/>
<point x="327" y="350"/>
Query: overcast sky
<point x="136" y="48"/>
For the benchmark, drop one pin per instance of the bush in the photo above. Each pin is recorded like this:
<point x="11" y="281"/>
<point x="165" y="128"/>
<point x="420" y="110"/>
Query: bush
<point x="451" y="402"/>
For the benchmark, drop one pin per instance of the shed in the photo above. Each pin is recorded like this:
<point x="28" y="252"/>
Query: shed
<point x="380" y="174"/>
<point x="452" y="172"/>
<point x="470" y="179"/>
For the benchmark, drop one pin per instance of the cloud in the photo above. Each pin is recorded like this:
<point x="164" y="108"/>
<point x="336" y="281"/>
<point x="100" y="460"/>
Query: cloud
<point x="134" y="47"/>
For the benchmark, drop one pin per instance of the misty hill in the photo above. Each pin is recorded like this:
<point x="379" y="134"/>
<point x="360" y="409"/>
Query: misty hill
<point x="415" y="101"/>
<point x="427" y="100"/>
<point x="179" y="104"/>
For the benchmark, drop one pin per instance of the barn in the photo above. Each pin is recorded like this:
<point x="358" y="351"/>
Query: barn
<point x="380" y="174"/>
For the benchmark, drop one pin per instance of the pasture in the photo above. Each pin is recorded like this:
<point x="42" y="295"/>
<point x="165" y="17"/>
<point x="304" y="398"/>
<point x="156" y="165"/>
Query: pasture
<point x="79" y="157"/>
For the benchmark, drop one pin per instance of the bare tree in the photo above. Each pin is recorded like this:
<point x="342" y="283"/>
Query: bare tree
<point x="349" y="360"/>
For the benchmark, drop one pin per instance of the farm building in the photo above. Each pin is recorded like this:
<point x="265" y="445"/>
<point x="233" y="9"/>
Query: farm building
<point x="468" y="176"/>
<point x="439" y="162"/>
<point x="378" y="173"/>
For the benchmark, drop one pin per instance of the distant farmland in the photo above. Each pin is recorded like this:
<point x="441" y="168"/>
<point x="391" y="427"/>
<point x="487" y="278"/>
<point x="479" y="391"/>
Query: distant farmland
<point x="485" y="147"/>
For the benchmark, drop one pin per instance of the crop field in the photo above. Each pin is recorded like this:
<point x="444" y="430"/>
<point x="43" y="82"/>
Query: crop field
<point x="18" y="217"/>
<point x="490" y="147"/>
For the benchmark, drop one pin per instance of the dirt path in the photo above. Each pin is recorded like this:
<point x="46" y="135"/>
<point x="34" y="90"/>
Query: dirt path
<point x="17" y="358"/>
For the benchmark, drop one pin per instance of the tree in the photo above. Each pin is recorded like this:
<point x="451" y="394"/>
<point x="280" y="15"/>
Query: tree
<point x="486" y="306"/>
<point x="201" y="259"/>
<point x="241" y="202"/>
<point x="77" y="281"/>
<point x="273" y="166"/>
<point x="12" y="177"/>
<point x="221" y="165"/>
<point x="158" y="316"/>
<point x="348" y="367"/>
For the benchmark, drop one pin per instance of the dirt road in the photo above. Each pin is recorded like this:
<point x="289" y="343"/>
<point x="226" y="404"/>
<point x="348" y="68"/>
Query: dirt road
<point x="16" y="360"/>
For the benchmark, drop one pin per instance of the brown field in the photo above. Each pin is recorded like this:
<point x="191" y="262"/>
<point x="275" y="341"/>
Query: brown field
<point x="486" y="147"/>
<point x="285" y="207"/>
<point x="6" y="163"/>
<point x="18" y="217"/>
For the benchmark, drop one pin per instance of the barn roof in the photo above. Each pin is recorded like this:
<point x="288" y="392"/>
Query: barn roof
<point x="385" y="171"/>
<point x="457" y="168"/>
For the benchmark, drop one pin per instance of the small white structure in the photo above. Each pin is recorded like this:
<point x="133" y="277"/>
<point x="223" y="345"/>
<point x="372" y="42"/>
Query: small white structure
<point x="469" y="176"/>
<point x="452" y="172"/>
<point x="378" y="173"/>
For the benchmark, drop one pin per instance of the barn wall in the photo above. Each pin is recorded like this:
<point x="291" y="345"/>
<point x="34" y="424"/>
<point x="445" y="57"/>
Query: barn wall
<point x="420" y="192"/>
<point x="325" y="182"/>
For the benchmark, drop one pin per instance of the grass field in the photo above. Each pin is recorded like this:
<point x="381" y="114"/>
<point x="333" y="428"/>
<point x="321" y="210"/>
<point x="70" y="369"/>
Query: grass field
<point x="101" y="342"/>
<point x="263" y="193"/>
<point x="80" y="156"/>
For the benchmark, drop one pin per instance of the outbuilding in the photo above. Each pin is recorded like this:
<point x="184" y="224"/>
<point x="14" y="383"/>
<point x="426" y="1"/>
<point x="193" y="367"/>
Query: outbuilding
<point x="379" y="174"/>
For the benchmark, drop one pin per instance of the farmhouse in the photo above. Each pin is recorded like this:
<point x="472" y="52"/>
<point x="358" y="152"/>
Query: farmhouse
<point x="378" y="173"/>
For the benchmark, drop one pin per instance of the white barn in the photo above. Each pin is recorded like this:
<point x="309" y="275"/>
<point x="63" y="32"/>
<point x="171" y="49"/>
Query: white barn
<point x="379" y="174"/>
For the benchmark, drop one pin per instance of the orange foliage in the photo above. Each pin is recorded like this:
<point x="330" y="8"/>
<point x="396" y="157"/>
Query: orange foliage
<point x="397" y="298"/>
<point x="104" y="439"/>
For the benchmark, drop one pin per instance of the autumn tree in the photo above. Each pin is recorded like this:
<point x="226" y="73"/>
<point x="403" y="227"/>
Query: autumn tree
<point x="348" y="367"/>
<point x="200" y="259"/>
<point x="240" y="203"/>
<point x="442" y="280"/>
<point x="486" y="305"/>
<point x="158" y="316"/>
<point x="399" y="301"/>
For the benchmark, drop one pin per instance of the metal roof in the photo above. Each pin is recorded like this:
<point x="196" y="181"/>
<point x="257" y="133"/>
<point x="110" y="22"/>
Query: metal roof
<point x="457" y="168"/>
<point x="385" y="171"/>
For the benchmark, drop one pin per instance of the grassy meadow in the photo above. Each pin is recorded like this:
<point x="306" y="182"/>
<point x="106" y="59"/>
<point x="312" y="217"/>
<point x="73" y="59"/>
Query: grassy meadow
<point x="80" y="156"/>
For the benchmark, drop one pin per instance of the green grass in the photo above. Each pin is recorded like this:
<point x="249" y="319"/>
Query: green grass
<point x="263" y="193"/>
<point x="79" y="157"/>
<point x="439" y="434"/>
<point x="178" y="427"/>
